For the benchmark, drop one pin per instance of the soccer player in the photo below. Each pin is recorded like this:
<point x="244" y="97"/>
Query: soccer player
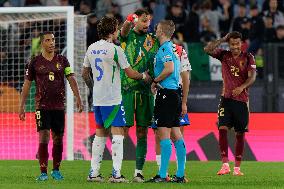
<point x="105" y="60"/>
<point x="185" y="69"/>
<point x="140" y="48"/>
<point x="48" y="70"/>
<point x="167" y="109"/>
<point x="238" y="72"/>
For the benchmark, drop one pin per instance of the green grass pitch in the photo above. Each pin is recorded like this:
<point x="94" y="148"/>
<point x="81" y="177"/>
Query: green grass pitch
<point x="22" y="174"/>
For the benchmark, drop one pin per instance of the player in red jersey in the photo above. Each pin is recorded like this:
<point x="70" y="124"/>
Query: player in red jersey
<point x="48" y="70"/>
<point x="239" y="73"/>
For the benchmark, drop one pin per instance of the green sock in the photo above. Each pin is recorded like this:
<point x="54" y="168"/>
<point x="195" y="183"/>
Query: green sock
<point x="141" y="150"/>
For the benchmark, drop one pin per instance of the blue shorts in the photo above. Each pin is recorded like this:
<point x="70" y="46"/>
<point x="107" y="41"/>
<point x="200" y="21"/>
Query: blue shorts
<point x="107" y="116"/>
<point x="183" y="121"/>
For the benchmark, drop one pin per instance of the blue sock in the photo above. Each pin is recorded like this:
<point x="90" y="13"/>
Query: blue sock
<point x="166" y="151"/>
<point x="181" y="156"/>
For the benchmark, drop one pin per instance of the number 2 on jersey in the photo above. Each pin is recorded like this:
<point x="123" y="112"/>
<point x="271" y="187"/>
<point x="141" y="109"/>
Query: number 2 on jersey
<point x="100" y="70"/>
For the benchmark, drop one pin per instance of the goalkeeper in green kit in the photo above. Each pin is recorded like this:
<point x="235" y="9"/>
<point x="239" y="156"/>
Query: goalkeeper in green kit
<point x="140" y="48"/>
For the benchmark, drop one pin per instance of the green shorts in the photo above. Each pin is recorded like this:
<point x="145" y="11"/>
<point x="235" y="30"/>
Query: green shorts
<point x="139" y="105"/>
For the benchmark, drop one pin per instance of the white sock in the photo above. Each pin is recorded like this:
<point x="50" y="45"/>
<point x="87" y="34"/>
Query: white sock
<point x="117" y="154"/>
<point x="98" y="147"/>
<point x="137" y="171"/>
<point x="158" y="160"/>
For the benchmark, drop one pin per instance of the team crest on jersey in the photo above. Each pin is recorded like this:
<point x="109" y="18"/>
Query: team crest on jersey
<point x="242" y="63"/>
<point x="148" y="43"/>
<point x="51" y="76"/>
<point x="58" y="66"/>
<point x="123" y="45"/>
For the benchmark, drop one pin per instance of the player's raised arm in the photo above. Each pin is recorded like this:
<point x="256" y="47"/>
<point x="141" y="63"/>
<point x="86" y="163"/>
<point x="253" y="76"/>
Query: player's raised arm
<point x="211" y="46"/>
<point x="128" y="24"/>
<point x="24" y="95"/>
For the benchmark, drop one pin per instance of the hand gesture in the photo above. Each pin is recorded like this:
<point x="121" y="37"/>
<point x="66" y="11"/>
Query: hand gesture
<point x="132" y="18"/>
<point x="22" y="114"/>
<point x="148" y="78"/>
<point x="154" y="88"/>
<point x="183" y="109"/>
<point x="237" y="91"/>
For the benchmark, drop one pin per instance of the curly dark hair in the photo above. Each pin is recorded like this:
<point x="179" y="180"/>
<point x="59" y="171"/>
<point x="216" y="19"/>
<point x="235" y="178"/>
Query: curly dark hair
<point x="106" y="26"/>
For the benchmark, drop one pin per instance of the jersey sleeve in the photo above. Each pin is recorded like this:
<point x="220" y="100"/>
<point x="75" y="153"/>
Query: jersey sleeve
<point x="30" y="70"/>
<point x="166" y="56"/>
<point x="218" y="54"/>
<point x="67" y="69"/>
<point x="86" y="63"/>
<point x="120" y="58"/>
<point x="251" y="63"/>
<point x="184" y="62"/>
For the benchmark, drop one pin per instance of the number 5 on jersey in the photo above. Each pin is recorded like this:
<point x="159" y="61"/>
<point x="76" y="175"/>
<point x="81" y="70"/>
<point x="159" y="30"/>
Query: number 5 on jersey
<point x="100" y="70"/>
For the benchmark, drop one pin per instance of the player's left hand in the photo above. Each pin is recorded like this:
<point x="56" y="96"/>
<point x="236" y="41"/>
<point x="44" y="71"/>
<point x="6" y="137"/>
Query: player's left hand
<point x="79" y="105"/>
<point x="237" y="91"/>
<point x="183" y="109"/>
<point x="154" y="88"/>
<point x="148" y="78"/>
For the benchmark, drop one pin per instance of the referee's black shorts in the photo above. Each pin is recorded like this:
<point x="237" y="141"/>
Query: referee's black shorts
<point x="233" y="114"/>
<point x="53" y="120"/>
<point x="167" y="108"/>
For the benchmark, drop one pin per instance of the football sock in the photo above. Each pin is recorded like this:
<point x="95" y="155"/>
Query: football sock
<point x="141" y="150"/>
<point x="158" y="160"/>
<point x="43" y="157"/>
<point x="181" y="154"/>
<point x="138" y="171"/>
<point x="223" y="144"/>
<point x="117" y="154"/>
<point x="166" y="151"/>
<point x="57" y="155"/>
<point x="98" y="147"/>
<point x="239" y="146"/>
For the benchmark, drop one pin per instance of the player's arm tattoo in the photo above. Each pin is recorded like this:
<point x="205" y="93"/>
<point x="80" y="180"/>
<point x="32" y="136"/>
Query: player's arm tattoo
<point x="211" y="46"/>
<point x="87" y="77"/>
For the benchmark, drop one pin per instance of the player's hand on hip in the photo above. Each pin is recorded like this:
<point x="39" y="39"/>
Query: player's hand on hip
<point x="148" y="78"/>
<point x="79" y="105"/>
<point x="132" y="18"/>
<point x="183" y="109"/>
<point x="237" y="91"/>
<point x="22" y="114"/>
<point x="154" y="88"/>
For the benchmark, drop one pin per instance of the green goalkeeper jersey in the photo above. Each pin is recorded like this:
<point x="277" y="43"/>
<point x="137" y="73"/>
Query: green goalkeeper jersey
<point x="140" y="50"/>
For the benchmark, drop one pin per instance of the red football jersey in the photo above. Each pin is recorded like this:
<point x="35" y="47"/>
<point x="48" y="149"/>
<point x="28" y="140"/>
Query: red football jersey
<point x="49" y="79"/>
<point x="235" y="72"/>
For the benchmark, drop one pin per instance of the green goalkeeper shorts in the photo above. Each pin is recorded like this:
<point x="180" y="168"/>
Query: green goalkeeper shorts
<point x="140" y="106"/>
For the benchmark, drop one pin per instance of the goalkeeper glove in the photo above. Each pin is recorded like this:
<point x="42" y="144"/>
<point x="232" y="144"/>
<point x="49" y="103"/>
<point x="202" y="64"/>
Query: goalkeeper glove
<point x="132" y="18"/>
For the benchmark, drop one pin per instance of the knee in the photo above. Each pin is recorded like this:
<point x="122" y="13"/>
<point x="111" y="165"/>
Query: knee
<point x="57" y="139"/>
<point x="141" y="132"/>
<point x="44" y="137"/>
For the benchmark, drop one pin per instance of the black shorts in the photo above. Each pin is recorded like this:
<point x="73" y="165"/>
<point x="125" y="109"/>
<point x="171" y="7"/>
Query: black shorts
<point x="233" y="114"/>
<point x="167" y="108"/>
<point x="50" y="119"/>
